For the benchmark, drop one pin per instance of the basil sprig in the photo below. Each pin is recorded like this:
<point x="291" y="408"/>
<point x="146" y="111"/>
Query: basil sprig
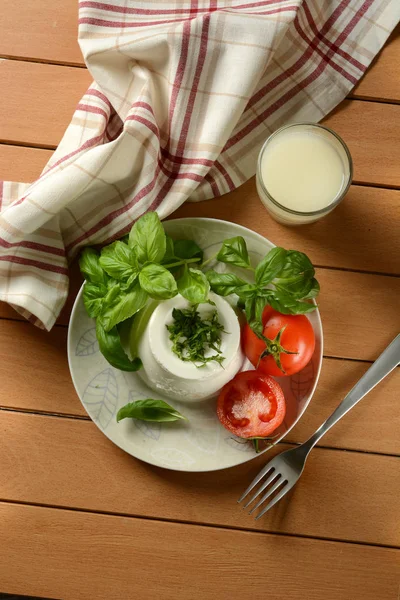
<point x="156" y="411"/>
<point x="125" y="274"/>
<point x="284" y="279"/>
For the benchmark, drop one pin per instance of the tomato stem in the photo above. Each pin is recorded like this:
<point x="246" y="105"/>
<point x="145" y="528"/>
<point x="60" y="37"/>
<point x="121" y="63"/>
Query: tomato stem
<point x="274" y="348"/>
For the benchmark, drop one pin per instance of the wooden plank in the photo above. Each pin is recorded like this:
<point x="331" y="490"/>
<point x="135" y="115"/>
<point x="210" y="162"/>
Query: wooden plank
<point x="371" y="129"/>
<point x="382" y="81"/>
<point x="371" y="426"/>
<point x="40" y="101"/>
<point x="40" y="358"/>
<point x="53" y="27"/>
<point x="361" y="234"/>
<point x="70" y="555"/>
<point x="359" y="312"/>
<point x="21" y="164"/>
<point x="48" y="29"/>
<point x="69" y="463"/>
<point x="44" y="384"/>
<point x="342" y="239"/>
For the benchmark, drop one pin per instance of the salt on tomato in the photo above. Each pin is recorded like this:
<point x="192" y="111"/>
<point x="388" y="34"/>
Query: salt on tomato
<point x="251" y="405"/>
<point x="297" y="337"/>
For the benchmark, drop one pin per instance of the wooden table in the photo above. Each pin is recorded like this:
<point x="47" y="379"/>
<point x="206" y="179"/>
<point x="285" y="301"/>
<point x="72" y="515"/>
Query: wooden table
<point x="81" y="519"/>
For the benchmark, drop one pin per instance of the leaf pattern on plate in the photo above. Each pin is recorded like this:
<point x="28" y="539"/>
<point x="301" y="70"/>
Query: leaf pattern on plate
<point x="151" y="430"/>
<point x="239" y="444"/>
<point x="302" y="382"/>
<point x="172" y="458"/>
<point x="100" y="397"/>
<point x="88" y="343"/>
<point x="204" y="436"/>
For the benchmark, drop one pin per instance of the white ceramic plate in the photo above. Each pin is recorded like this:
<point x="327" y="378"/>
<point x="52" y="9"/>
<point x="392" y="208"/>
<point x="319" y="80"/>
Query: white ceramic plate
<point x="201" y="444"/>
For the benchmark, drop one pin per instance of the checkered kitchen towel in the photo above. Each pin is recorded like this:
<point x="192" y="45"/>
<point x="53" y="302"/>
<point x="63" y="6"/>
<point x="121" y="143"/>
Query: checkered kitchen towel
<point x="185" y="93"/>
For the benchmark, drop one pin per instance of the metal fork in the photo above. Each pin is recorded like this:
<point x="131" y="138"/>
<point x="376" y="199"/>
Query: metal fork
<point x="284" y="470"/>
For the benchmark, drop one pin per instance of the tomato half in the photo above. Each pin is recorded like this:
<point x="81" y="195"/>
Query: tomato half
<point x="251" y="405"/>
<point x="297" y="336"/>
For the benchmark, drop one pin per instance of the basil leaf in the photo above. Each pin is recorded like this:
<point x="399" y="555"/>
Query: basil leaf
<point x="234" y="252"/>
<point x="254" y="308"/>
<point x="260" y="304"/>
<point x="127" y="285"/>
<point x="112" y="350"/>
<point x="93" y="298"/>
<point x="149" y="410"/>
<point x="158" y="282"/>
<point x="187" y="249"/>
<point x="298" y="268"/>
<point x="300" y="290"/>
<point x="90" y="267"/>
<point x="249" y="290"/>
<point x="224" y="284"/>
<point x="313" y="291"/>
<point x="147" y="238"/>
<point x="119" y="261"/>
<point x="287" y="305"/>
<point x="271" y="265"/>
<point x="112" y="293"/>
<point x="169" y="250"/>
<point x="193" y="286"/>
<point x="127" y="305"/>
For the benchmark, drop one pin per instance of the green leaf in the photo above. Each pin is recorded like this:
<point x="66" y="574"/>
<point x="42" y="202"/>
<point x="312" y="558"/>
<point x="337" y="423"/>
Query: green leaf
<point x="187" y="249"/>
<point x="249" y="290"/>
<point x="90" y="266"/>
<point x="169" y="255"/>
<point x="112" y="350"/>
<point x="271" y="265"/>
<point x="299" y="290"/>
<point x="259" y="306"/>
<point x="147" y="238"/>
<point x="93" y="298"/>
<point x="158" y="282"/>
<point x="112" y="293"/>
<point x="313" y="291"/>
<point x="287" y="305"/>
<point x="149" y="410"/>
<point x="126" y="306"/>
<point x="119" y="261"/>
<point x="193" y="286"/>
<point x="234" y="252"/>
<point x="298" y="268"/>
<point x="224" y="284"/>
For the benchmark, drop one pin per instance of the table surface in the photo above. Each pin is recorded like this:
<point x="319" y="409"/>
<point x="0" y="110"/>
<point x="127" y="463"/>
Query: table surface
<point x="79" y="518"/>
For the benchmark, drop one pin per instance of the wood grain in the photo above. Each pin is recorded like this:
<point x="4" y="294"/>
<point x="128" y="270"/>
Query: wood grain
<point x="78" y="556"/>
<point x="360" y="234"/>
<point x="21" y="164"/>
<point x="382" y="81"/>
<point x="359" y="312"/>
<point x="67" y="463"/>
<point x="48" y="29"/>
<point x="371" y="130"/>
<point x="40" y="101"/>
<point x="44" y="384"/>
<point x="53" y="29"/>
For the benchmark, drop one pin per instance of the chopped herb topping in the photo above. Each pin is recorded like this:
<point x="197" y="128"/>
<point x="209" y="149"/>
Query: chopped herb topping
<point x="193" y="336"/>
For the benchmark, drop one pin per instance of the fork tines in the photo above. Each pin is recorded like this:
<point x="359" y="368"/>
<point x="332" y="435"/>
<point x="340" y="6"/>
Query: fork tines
<point x="278" y="483"/>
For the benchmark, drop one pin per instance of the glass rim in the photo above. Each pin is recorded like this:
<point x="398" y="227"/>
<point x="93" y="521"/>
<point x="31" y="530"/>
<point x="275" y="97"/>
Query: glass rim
<point x="335" y="201"/>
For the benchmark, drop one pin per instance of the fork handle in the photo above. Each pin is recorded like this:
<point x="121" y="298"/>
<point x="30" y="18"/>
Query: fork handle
<point x="388" y="360"/>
